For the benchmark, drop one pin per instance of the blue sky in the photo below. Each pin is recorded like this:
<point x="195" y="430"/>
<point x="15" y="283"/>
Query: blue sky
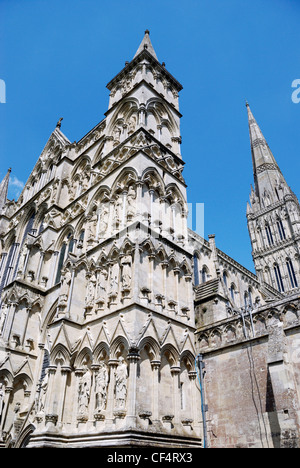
<point x="57" y="57"/>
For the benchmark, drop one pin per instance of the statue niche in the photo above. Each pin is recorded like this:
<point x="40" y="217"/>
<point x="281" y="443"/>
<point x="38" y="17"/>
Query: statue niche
<point x="121" y="377"/>
<point x="101" y="288"/>
<point x="64" y="290"/>
<point x="84" y="393"/>
<point x="131" y="203"/>
<point x="90" y="294"/>
<point x="126" y="275"/>
<point x="101" y="386"/>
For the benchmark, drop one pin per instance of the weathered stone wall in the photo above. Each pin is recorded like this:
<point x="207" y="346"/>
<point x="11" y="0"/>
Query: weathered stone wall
<point x="252" y="379"/>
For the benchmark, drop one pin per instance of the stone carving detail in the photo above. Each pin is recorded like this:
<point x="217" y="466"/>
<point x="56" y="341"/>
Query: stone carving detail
<point x="2" y="395"/>
<point x="104" y="214"/>
<point x="101" y="387"/>
<point x="84" y="393"/>
<point x="91" y="228"/>
<point x="90" y="293"/>
<point x="65" y="289"/>
<point x="118" y="211"/>
<point x="22" y="261"/>
<point x="4" y="310"/>
<point x="131" y="203"/>
<point x="114" y="282"/>
<point x="101" y="287"/>
<point x="40" y="406"/>
<point x="121" y="384"/>
<point x="126" y="263"/>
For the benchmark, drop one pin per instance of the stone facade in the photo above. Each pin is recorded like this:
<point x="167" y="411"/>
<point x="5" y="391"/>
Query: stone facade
<point x="107" y="297"/>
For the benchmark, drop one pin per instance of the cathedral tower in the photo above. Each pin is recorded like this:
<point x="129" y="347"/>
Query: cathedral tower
<point x="273" y="218"/>
<point x="97" y="317"/>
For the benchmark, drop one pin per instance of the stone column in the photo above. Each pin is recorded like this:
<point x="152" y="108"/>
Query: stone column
<point x="155" y="389"/>
<point x="139" y="208"/>
<point x="8" y="391"/>
<point x="28" y="310"/>
<point x="42" y="255"/>
<point x="95" y="369"/>
<point x="175" y="371"/>
<point x="78" y="374"/>
<point x="133" y="358"/>
<point x="53" y="268"/>
<point x="70" y="293"/>
<point x="9" y="322"/>
<point x="113" y="363"/>
<point x="65" y="370"/>
<point x="50" y="415"/>
<point x="195" y="401"/>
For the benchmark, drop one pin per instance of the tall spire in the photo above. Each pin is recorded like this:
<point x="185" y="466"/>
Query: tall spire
<point x="146" y="44"/>
<point x="267" y="174"/>
<point x="4" y="189"/>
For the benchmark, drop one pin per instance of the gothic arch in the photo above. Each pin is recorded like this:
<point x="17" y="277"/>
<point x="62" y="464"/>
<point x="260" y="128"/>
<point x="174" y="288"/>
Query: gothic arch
<point x="152" y="347"/>
<point x="188" y="359"/>
<point x="171" y="354"/>
<point x="101" y="195"/>
<point x="174" y="195"/>
<point x="161" y="113"/>
<point x="127" y="177"/>
<point x="83" y="163"/>
<point x="153" y="180"/>
<point x="24" y="437"/>
<point x="60" y="354"/>
<point x="28" y="217"/>
<point x="99" y="153"/>
<point x="123" y="112"/>
<point x="6" y="377"/>
<point x="69" y="229"/>
<point x="101" y="352"/>
<point x="83" y="357"/>
<point x="118" y="347"/>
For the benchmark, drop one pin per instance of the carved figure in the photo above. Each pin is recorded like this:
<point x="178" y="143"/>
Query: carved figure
<point x="126" y="271"/>
<point x="2" y="395"/>
<point x="84" y="393"/>
<point x="65" y="287"/>
<point x="90" y="291"/>
<point x="102" y="281"/>
<point x="131" y="205"/>
<point x="121" y="384"/>
<point x="3" y="317"/>
<point x="114" y="279"/>
<point x="43" y="391"/>
<point x="101" y="387"/>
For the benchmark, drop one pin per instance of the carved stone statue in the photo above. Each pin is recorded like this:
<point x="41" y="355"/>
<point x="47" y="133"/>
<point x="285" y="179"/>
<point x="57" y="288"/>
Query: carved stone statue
<point x="91" y="229"/>
<point x="131" y="203"/>
<point x="103" y="220"/>
<point x="121" y="384"/>
<point x="126" y="263"/>
<point x="65" y="288"/>
<point x="101" y="387"/>
<point x="117" y="133"/>
<point x="4" y="310"/>
<point x="22" y="260"/>
<point x="2" y="396"/>
<point x="118" y="210"/>
<point x="114" y="280"/>
<point x="43" y="392"/>
<point x="84" y="393"/>
<point x="90" y="291"/>
<point x="102" y="282"/>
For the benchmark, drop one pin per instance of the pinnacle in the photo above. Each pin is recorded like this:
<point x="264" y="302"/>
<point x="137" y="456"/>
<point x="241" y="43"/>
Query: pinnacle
<point x="146" y="44"/>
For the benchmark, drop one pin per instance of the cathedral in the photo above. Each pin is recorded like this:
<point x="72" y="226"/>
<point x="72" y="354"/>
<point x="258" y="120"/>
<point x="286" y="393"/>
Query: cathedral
<point x="119" y="325"/>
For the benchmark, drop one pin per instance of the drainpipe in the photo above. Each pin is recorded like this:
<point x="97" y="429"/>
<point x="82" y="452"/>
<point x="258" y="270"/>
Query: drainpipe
<point x="200" y="366"/>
